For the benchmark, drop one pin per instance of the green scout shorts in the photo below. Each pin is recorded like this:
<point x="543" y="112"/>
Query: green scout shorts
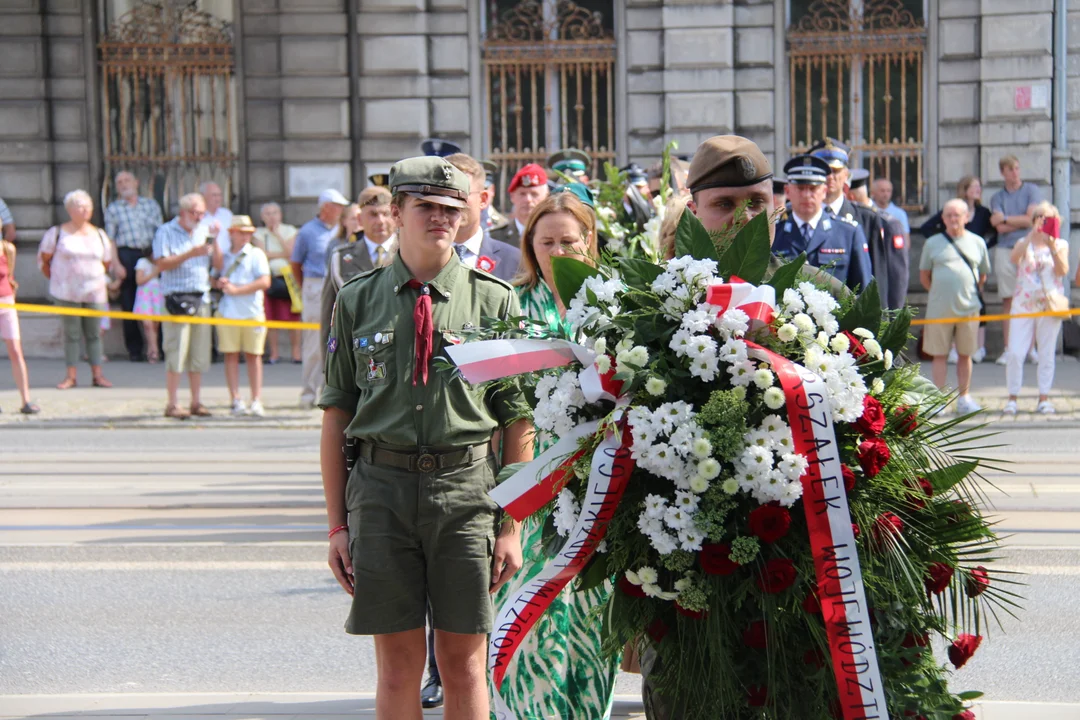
<point x="416" y="537"/>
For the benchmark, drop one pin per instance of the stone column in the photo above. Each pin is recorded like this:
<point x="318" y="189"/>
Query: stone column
<point x="957" y="84"/>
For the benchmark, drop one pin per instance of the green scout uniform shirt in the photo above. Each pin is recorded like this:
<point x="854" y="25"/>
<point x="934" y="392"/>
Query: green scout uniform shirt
<point x="371" y="354"/>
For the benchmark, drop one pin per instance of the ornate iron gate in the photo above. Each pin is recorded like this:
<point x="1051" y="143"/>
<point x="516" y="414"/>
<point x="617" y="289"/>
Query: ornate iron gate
<point x="167" y="74"/>
<point x="549" y="83"/>
<point x="856" y="73"/>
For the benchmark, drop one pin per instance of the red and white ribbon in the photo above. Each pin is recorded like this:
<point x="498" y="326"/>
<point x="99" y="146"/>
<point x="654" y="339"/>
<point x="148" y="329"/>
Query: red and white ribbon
<point x="832" y="540"/>
<point x="759" y="303"/>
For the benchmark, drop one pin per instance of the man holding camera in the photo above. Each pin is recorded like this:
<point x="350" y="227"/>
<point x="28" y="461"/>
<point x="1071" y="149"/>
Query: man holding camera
<point x="184" y="263"/>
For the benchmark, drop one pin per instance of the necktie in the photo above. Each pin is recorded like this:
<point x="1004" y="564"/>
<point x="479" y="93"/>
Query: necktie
<point x="380" y="256"/>
<point x="806" y="235"/>
<point x="461" y="250"/>
<point x="424" y="330"/>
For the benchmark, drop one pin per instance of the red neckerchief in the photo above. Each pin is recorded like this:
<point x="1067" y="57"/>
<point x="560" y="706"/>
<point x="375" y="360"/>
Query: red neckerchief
<point x="424" y="330"/>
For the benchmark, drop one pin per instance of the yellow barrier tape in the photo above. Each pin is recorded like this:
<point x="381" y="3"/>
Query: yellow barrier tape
<point x="289" y="325"/>
<point x="121" y="315"/>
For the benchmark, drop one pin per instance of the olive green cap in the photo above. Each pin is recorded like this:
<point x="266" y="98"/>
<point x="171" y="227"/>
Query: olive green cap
<point x="432" y="179"/>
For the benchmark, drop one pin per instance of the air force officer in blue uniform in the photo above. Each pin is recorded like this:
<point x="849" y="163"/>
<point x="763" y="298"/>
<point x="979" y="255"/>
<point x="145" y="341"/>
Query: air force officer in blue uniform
<point x="833" y="244"/>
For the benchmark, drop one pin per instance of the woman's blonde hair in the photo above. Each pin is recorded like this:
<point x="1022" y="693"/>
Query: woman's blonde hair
<point x="965" y="183"/>
<point x="560" y="202"/>
<point x="1045" y="209"/>
<point x="342" y="232"/>
<point x="673" y="213"/>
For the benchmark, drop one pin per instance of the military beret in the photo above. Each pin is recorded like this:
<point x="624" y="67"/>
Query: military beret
<point x="806" y="170"/>
<point x="727" y="161"/>
<point x="432" y="179"/>
<point x="434" y="147"/>
<point x="532" y="175"/>
<point x="581" y="190"/>
<point x="835" y="153"/>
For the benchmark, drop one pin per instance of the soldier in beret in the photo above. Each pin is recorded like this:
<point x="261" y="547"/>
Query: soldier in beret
<point x="728" y="172"/>
<point x="412" y="523"/>
<point x="527" y="189"/>
<point x="492" y="219"/>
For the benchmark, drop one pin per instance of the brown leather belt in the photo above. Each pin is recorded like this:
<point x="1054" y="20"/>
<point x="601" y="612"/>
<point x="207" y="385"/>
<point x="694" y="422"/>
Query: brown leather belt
<point x="425" y="460"/>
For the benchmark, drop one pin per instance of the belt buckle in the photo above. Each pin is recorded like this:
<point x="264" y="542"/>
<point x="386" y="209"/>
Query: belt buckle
<point x="426" y="462"/>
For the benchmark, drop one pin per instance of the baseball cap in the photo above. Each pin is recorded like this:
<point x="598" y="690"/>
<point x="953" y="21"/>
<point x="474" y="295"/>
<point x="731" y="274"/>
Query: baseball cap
<point x="332" y="196"/>
<point x="432" y="179"/>
<point x="727" y="161"/>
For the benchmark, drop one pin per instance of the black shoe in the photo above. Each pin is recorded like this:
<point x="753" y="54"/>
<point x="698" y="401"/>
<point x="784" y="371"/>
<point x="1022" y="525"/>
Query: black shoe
<point x="431" y="695"/>
<point x="137" y="357"/>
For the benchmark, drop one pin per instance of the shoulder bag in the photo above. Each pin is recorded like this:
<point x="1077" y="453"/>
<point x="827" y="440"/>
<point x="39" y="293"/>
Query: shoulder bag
<point x="1055" y="301"/>
<point x="974" y="271"/>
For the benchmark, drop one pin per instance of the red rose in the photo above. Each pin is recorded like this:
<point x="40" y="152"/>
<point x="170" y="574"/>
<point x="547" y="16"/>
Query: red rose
<point x="849" y="477"/>
<point x="964" y="715"/>
<point x="856" y="347"/>
<point x="922" y="488"/>
<point x="907" y="419"/>
<point x="911" y="640"/>
<point x="770" y="522"/>
<point x="814" y="657"/>
<point x="873" y="456"/>
<point x="695" y="614"/>
<point x="963" y="648"/>
<point x="812" y="603"/>
<point x="886" y="526"/>
<point x="778" y="576"/>
<point x="716" y="559"/>
<point x="757" y="696"/>
<point x="630" y="588"/>
<point x="855" y="530"/>
<point x="756" y="635"/>
<point x="939" y="575"/>
<point x="977" y="582"/>
<point x="657" y="630"/>
<point x="872" y="421"/>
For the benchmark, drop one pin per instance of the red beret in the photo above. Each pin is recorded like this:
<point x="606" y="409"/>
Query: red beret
<point x="532" y="175"/>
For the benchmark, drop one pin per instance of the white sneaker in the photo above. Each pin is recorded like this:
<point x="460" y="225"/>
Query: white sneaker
<point x="1045" y="408"/>
<point x="979" y="355"/>
<point x="238" y="407"/>
<point x="953" y="357"/>
<point x="257" y="408"/>
<point x="1010" y="408"/>
<point x="1003" y="358"/>
<point x="1033" y="357"/>
<point x="966" y="405"/>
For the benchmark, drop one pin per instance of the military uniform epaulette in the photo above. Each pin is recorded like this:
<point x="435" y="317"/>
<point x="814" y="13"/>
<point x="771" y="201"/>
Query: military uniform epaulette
<point x="361" y="276"/>
<point x="480" y="274"/>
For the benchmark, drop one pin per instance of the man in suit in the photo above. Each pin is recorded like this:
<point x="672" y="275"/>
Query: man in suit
<point x="492" y="219"/>
<point x="528" y="189"/>
<point x="349" y="259"/>
<point x="889" y="258"/>
<point x="833" y="244"/>
<point x="473" y="244"/>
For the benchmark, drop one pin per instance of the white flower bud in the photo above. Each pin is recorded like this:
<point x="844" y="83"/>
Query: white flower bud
<point x="655" y="386"/>
<point x="787" y="332"/>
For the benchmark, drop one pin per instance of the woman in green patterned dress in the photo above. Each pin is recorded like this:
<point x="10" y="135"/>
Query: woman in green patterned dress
<point x="559" y="671"/>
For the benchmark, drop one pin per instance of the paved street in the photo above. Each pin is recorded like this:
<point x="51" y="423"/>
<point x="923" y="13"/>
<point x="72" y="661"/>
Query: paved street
<point x="155" y="571"/>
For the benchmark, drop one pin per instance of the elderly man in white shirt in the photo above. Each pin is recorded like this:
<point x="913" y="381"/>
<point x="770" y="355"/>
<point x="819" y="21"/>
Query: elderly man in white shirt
<point x="215" y="223"/>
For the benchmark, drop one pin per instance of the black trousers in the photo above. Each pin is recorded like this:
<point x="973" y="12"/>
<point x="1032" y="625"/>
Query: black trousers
<point x="433" y="668"/>
<point x="133" y="338"/>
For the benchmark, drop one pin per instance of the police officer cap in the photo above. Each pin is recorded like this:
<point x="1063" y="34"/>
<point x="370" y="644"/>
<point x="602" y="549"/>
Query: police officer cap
<point x="778" y="183"/>
<point x="860" y="177"/>
<point x="835" y="153"/>
<point x="581" y="190"/>
<point x="434" y="147"/>
<point x="806" y="170"/>
<point x="570" y="161"/>
<point x="727" y="161"/>
<point x="431" y="179"/>
<point x="635" y="174"/>
<point x="379" y="179"/>
<point x="491" y="169"/>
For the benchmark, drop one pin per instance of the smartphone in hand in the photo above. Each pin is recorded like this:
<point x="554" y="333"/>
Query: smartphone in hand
<point x="1052" y="226"/>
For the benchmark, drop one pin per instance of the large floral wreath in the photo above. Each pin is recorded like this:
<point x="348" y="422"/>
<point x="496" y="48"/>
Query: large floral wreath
<point x="786" y="523"/>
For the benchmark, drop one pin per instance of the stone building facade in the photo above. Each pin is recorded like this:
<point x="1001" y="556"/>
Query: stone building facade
<point x="329" y="91"/>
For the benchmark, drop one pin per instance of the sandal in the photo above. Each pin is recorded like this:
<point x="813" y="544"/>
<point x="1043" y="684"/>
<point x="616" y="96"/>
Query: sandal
<point x="153" y="358"/>
<point x="271" y="361"/>
<point x="30" y="409"/>
<point x="171" y="411"/>
<point x="101" y="382"/>
<point x="66" y="384"/>
<point x="200" y="411"/>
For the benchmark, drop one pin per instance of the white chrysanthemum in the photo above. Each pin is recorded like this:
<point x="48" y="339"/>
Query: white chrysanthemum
<point x="878" y="386"/>
<point x="599" y="346"/>
<point x="760" y="438"/>
<point x="793" y="302"/>
<point x="792" y="465"/>
<point x="733" y="322"/>
<point x="804" y="323"/>
<point x="709" y="468"/>
<point x="647" y="575"/>
<point x="566" y="513"/>
<point x="699" y="484"/>
<point x="696" y="321"/>
<point x="680" y="342"/>
<point x="655" y="506"/>
<point x="701" y="347"/>
<point x="603" y="364"/>
<point x="773" y="425"/>
<point x="863" y="333"/>
<point x="787" y="332"/>
<point x="764" y="378"/>
<point x="690" y="539"/>
<point x="655" y="386"/>
<point x="888" y="357"/>
<point x="774" y="398"/>
<point x="741" y="373"/>
<point x="687" y="501"/>
<point x="650" y="526"/>
<point x="873" y="347"/>
<point x="701" y="448"/>
<point x="705" y="368"/>
<point x="730" y="486"/>
<point x="790" y="493"/>
<point x="839" y="343"/>
<point x="664" y="543"/>
<point x="733" y="351"/>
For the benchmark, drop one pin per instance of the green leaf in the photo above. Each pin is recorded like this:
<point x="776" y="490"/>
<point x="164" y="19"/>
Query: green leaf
<point x="895" y="335"/>
<point x="508" y="471"/>
<point x="970" y="695"/>
<point x="945" y="478"/>
<point x="691" y="238"/>
<point x="865" y="312"/>
<point x="594" y="575"/>
<point x="569" y="275"/>
<point x="787" y="275"/>
<point x="653" y="327"/>
<point x="639" y="274"/>
<point x="748" y="254"/>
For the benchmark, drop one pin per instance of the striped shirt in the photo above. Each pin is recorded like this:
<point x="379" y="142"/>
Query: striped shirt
<point x="193" y="275"/>
<point x="133" y="227"/>
<point x="5" y="214"/>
